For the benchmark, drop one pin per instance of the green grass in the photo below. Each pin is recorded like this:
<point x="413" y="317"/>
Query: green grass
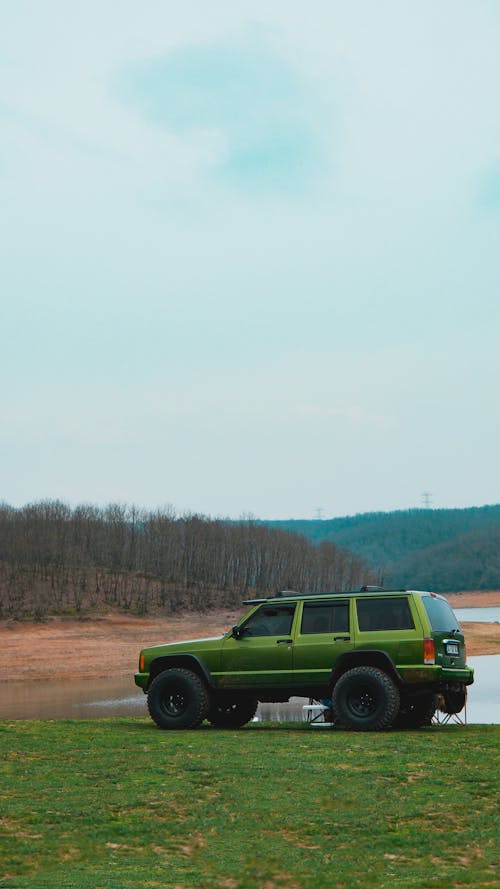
<point x="116" y="803"/>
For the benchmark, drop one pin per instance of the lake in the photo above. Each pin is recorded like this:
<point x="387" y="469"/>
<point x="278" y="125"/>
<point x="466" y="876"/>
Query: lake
<point x="489" y="615"/>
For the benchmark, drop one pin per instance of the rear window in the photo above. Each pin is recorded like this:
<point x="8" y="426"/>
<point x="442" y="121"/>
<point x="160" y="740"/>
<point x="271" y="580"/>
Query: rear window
<point x="440" y="615"/>
<point x="384" y="614"/>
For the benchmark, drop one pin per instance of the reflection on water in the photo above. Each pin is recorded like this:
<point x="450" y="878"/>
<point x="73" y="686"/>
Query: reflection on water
<point x="91" y="699"/>
<point x="70" y="699"/>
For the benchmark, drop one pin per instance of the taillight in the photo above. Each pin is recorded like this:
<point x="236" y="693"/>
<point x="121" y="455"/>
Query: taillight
<point x="429" y="651"/>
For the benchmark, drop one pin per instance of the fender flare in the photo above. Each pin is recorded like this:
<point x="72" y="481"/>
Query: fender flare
<point x="185" y="661"/>
<point x="365" y="657"/>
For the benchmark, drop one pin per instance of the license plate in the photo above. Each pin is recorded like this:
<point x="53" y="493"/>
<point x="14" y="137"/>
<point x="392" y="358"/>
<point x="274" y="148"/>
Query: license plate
<point x="452" y="648"/>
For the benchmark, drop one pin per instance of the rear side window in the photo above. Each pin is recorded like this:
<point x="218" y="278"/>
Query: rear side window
<point x="384" y="614"/>
<point x="440" y="614"/>
<point x="325" y="617"/>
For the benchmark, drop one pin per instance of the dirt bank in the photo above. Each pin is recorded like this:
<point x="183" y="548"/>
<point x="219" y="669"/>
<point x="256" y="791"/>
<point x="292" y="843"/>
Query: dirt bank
<point x="89" y="649"/>
<point x="480" y="599"/>
<point x="109" y="645"/>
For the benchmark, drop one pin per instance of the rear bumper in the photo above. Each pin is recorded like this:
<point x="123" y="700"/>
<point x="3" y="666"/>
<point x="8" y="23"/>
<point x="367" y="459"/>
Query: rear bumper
<point x="433" y="673"/>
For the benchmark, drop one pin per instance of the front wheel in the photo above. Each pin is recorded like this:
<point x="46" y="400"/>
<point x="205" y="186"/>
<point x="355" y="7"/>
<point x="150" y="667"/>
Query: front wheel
<point x="232" y="712"/>
<point x="365" y="699"/>
<point x="177" y="699"/>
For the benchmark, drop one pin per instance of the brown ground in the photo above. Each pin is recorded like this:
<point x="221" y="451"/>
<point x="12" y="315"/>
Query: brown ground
<point x="480" y="599"/>
<point x="92" y="649"/>
<point x="109" y="646"/>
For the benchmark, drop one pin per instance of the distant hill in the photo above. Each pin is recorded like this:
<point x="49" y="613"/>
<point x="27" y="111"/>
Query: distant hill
<point x="440" y="549"/>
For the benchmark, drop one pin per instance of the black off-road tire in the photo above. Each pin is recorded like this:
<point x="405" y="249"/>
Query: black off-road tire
<point x="178" y="699"/>
<point x="232" y="712"/>
<point x="416" y="712"/>
<point x="453" y="701"/>
<point x="365" y="699"/>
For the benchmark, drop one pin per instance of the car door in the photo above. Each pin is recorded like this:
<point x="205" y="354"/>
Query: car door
<point x="324" y="633"/>
<point x="261" y="656"/>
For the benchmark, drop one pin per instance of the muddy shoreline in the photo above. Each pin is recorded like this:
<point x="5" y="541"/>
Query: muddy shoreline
<point x="108" y="645"/>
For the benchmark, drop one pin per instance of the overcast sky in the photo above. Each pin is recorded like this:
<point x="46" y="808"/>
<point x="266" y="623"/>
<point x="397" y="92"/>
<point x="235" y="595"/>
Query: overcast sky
<point x="249" y="254"/>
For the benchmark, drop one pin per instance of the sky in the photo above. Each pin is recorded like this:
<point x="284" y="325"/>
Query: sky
<point x="249" y="254"/>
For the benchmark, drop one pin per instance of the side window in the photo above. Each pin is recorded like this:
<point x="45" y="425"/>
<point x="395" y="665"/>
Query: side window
<point x="384" y="614"/>
<point x="325" y="617"/>
<point x="270" y="620"/>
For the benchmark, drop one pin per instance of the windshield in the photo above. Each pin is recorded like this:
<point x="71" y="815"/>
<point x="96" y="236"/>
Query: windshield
<point x="440" y="615"/>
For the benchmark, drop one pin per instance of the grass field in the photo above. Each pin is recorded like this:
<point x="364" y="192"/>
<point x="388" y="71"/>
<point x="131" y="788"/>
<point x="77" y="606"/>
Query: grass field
<point x="111" y="804"/>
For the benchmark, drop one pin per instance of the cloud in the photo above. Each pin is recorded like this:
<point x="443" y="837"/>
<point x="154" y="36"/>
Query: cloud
<point x="249" y="99"/>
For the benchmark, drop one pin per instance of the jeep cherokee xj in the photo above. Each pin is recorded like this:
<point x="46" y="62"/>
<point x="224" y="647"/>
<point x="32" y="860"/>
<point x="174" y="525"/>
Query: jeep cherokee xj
<point x="382" y="656"/>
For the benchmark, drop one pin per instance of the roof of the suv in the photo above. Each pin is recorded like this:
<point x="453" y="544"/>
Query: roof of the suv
<point x="287" y="595"/>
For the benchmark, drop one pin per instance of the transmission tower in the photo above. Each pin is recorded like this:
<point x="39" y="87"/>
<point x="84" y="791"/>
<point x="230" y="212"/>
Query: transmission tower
<point x="427" y="499"/>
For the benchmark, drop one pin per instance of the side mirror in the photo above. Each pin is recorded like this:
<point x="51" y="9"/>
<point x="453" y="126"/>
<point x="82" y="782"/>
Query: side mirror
<point x="236" y="633"/>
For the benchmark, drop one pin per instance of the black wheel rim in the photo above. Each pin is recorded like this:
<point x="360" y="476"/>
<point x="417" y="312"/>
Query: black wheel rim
<point x="227" y="708"/>
<point x="174" y="702"/>
<point x="361" y="702"/>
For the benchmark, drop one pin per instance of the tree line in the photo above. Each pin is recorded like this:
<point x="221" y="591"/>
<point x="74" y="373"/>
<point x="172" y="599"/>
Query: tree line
<point x="57" y="559"/>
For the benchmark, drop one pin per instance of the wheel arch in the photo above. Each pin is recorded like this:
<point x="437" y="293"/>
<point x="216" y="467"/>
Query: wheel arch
<point x="185" y="662"/>
<point x="365" y="658"/>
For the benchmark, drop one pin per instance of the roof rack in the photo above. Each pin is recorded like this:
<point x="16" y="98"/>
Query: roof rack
<point x="287" y="593"/>
<point x="292" y="594"/>
<point x="255" y="601"/>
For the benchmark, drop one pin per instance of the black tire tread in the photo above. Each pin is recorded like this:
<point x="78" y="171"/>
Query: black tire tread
<point x="414" y="714"/>
<point x="242" y="711"/>
<point x="452" y="702"/>
<point x="388" y="688"/>
<point x="202" y="700"/>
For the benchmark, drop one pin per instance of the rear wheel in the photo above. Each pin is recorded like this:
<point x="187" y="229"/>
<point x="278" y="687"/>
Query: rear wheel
<point x="365" y="699"/>
<point x="177" y="699"/>
<point x="415" y="712"/>
<point x="232" y="712"/>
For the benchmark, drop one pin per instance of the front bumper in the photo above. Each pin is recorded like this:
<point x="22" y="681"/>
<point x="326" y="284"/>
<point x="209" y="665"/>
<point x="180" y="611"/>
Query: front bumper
<point x="142" y="679"/>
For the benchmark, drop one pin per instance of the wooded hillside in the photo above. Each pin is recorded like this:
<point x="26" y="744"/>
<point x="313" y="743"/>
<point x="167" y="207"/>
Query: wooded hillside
<point x="56" y="559"/>
<point x="440" y="549"/>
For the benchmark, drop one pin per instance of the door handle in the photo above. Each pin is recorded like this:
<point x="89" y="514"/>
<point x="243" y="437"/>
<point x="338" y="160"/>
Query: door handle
<point x="287" y="641"/>
<point x="341" y="638"/>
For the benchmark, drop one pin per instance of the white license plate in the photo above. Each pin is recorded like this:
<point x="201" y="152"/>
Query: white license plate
<point x="452" y="648"/>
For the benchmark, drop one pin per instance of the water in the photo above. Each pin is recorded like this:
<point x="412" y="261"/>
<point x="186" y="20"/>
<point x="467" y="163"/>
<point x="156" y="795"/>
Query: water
<point x="490" y="615"/>
<point x="483" y="704"/>
<point x="71" y="699"/>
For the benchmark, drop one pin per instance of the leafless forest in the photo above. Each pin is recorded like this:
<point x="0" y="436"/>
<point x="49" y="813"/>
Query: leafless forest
<point x="55" y="559"/>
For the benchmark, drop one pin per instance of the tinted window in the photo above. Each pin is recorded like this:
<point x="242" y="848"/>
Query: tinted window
<point x="270" y="620"/>
<point x="384" y="614"/>
<point x="327" y="617"/>
<point x="440" y="614"/>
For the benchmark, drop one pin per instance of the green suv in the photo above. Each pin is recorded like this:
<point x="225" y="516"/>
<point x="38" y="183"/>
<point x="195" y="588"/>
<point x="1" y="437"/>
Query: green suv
<point x="383" y="657"/>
